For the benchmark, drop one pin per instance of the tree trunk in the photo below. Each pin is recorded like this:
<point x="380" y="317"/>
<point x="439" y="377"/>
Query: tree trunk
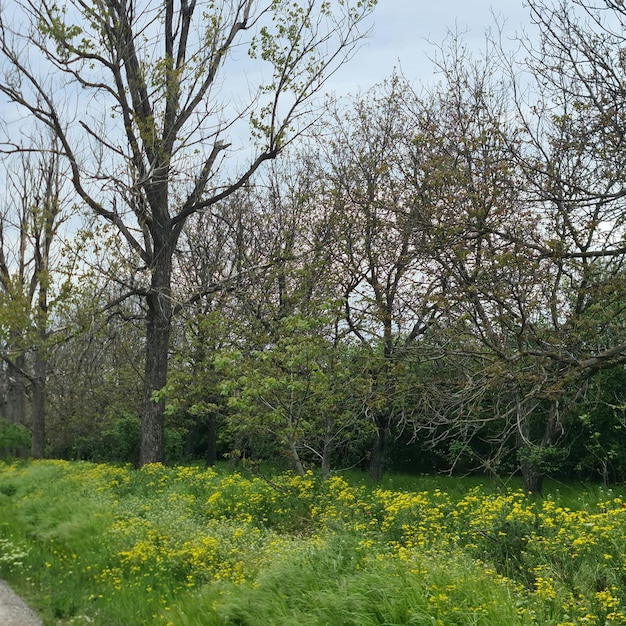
<point x="532" y="465"/>
<point x="533" y="478"/>
<point x="38" y="407"/>
<point x="15" y="393"/>
<point x="192" y="438"/>
<point x="295" y="457"/>
<point x="385" y="386"/>
<point x="211" y="443"/>
<point x="325" y="462"/>
<point x="379" y="449"/>
<point x="158" y="327"/>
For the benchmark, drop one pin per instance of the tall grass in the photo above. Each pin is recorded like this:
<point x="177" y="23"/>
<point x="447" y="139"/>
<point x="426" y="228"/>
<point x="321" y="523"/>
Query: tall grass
<point x="186" y="546"/>
<point x="336" y="584"/>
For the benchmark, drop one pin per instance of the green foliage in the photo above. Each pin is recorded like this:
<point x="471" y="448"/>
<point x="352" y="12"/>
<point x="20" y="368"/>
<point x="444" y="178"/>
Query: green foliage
<point x="191" y="396"/>
<point x="14" y="439"/>
<point x="117" y="442"/>
<point x="595" y="433"/>
<point x="545" y="460"/>
<point x="15" y="312"/>
<point x="289" y="44"/>
<point x="298" y="392"/>
<point x="54" y="25"/>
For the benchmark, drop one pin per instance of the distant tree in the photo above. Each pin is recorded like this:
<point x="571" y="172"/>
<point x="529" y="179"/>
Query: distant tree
<point x="385" y="172"/>
<point x="150" y="86"/>
<point x="261" y="257"/>
<point x="95" y="375"/>
<point x="31" y="281"/>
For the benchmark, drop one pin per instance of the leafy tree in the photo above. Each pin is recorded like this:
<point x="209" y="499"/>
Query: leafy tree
<point x="192" y="395"/>
<point x="297" y="393"/>
<point x="385" y="169"/>
<point x="259" y="258"/>
<point x="145" y="155"/>
<point x="14" y="438"/>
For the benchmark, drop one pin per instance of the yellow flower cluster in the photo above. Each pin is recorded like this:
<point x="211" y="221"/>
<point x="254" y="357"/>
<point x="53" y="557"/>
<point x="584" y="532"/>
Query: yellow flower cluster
<point x="171" y="530"/>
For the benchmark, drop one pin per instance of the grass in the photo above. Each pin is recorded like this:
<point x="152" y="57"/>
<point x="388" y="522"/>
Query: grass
<point x="336" y="585"/>
<point x="114" y="546"/>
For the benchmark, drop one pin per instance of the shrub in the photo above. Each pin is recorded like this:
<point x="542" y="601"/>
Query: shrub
<point x="14" y="440"/>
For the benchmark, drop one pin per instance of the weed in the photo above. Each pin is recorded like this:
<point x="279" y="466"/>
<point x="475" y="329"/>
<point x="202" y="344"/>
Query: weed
<point x="189" y="546"/>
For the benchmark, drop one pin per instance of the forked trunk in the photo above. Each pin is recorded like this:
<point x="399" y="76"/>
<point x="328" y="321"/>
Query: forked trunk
<point x="295" y="457"/>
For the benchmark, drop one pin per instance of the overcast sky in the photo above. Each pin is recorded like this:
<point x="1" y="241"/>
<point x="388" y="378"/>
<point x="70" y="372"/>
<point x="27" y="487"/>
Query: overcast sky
<point x="403" y="28"/>
<point x="401" y="32"/>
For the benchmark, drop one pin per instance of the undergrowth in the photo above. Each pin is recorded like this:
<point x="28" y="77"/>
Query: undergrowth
<point x="187" y="546"/>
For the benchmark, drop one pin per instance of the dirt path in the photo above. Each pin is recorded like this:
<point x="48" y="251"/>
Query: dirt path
<point x="13" y="611"/>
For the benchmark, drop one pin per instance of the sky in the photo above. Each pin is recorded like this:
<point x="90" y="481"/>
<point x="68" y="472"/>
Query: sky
<point x="402" y="30"/>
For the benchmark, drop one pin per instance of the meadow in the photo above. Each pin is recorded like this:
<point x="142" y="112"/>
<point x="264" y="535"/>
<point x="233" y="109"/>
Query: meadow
<point x="188" y="546"/>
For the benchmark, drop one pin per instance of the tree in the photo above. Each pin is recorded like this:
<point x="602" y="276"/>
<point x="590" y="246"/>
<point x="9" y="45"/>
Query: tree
<point x="146" y="154"/>
<point x="385" y="169"/>
<point x="30" y="281"/>
<point x="572" y="159"/>
<point x="95" y="375"/>
<point x="294" y="394"/>
<point x="266" y="250"/>
<point x="574" y="163"/>
<point x="533" y="240"/>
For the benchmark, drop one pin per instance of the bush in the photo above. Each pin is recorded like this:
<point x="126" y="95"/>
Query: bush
<point x="14" y="440"/>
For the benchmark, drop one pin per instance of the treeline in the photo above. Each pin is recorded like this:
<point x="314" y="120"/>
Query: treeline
<point x="432" y="279"/>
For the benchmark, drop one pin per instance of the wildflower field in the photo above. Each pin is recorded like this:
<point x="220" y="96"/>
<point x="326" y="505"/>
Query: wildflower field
<point x="105" y="545"/>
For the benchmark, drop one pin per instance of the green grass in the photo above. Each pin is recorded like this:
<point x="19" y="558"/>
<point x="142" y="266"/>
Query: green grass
<point x="113" y="546"/>
<point x="334" y="585"/>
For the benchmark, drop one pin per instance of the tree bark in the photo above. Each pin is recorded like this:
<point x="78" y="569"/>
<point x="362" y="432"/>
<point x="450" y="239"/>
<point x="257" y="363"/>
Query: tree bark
<point x="532" y="474"/>
<point x="38" y="407"/>
<point x="158" y="327"/>
<point x="379" y="449"/>
<point x="295" y="457"/>
<point x="532" y="477"/>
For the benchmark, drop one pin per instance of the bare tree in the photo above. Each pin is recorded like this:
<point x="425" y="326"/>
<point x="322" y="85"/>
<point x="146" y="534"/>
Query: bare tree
<point x="534" y="232"/>
<point x="150" y="119"/>
<point x="30" y="220"/>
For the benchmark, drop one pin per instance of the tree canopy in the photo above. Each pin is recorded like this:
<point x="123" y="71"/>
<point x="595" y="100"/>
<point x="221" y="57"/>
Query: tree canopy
<point x="431" y="276"/>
